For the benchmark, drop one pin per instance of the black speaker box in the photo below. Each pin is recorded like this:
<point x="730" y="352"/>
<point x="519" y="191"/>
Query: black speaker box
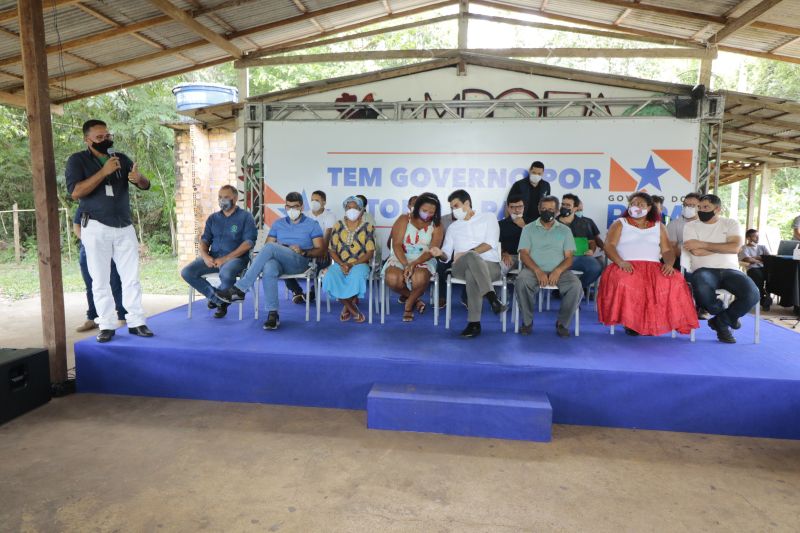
<point x="24" y="381"/>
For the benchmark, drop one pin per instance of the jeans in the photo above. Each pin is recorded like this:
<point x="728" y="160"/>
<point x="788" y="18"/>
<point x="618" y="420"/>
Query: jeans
<point x="706" y="281"/>
<point x="193" y="275"/>
<point x="116" y="287"/>
<point x="590" y="267"/>
<point x="272" y="261"/>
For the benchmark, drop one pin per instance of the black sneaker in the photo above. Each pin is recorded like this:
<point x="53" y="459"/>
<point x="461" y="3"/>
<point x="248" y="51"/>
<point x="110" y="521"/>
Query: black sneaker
<point x="473" y="329"/>
<point x="497" y="306"/>
<point x="723" y="332"/>
<point x="222" y="310"/>
<point x="209" y="304"/>
<point x="273" y="321"/>
<point x="299" y="298"/>
<point x="766" y="303"/>
<point x="312" y="295"/>
<point x="561" y="331"/>
<point x="631" y="332"/>
<point x="737" y="324"/>
<point x="702" y="314"/>
<point x="525" y="330"/>
<point x="230" y="295"/>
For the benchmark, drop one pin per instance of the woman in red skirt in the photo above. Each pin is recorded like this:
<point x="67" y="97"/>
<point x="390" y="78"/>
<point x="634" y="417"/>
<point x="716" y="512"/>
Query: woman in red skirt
<point x="638" y="291"/>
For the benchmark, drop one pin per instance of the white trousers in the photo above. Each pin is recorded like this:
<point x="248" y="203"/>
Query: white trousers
<point x="104" y="243"/>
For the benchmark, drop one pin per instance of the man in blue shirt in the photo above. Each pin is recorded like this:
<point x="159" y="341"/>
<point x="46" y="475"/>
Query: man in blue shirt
<point x="546" y="248"/>
<point x="229" y="235"/>
<point x="291" y="243"/>
<point x="100" y="178"/>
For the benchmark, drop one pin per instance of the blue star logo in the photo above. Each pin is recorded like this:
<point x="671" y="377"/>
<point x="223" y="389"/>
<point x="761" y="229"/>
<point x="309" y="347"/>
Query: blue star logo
<point x="650" y="175"/>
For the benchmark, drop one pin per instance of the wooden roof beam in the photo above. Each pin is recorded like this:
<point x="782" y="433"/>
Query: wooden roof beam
<point x="766" y="121"/>
<point x="12" y="14"/>
<point x="312" y="42"/>
<point x="717" y="19"/>
<point x="586" y="31"/>
<point x="756" y="135"/>
<point x="494" y="52"/>
<point x="113" y="23"/>
<point x="151" y="22"/>
<point x="243" y="33"/>
<point x="745" y="20"/>
<point x="189" y="22"/>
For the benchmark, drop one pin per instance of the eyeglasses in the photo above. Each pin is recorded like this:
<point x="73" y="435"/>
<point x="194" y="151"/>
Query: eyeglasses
<point x="106" y="137"/>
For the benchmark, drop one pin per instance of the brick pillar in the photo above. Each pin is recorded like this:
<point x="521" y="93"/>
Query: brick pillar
<point x="205" y="161"/>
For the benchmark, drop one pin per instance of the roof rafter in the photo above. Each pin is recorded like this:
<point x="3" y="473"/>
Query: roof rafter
<point x="746" y="19"/>
<point x="189" y="22"/>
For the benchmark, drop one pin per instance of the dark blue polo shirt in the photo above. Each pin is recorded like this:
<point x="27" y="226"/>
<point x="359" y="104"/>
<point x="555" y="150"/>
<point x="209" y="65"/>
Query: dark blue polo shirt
<point x="112" y="211"/>
<point x="223" y="234"/>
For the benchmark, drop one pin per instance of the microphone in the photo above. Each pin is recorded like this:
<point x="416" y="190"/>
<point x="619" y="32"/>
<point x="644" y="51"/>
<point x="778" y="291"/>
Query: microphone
<point x="113" y="153"/>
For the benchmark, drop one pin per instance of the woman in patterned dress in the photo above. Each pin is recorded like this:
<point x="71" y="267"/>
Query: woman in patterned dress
<point x="409" y="269"/>
<point x="351" y="249"/>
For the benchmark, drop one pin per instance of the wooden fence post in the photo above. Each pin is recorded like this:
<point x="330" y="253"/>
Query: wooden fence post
<point x="17" y="244"/>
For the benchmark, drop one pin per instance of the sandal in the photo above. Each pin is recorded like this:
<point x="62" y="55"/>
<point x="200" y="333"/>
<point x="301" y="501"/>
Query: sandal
<point x="408" y="315"/>
<point x="360" y="318"/>
<point x="402" y="299"/>
<point x="420" y="305"/>
<point x="345" y="315"/>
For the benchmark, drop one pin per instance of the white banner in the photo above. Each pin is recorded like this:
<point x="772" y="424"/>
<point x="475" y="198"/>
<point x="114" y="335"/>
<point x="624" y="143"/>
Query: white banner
<point x="600" y="160"/>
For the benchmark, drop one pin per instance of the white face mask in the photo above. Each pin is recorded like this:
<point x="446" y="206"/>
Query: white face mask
<point x="315" y="205"/>
<point x="689" y="211"/>
<point x="352" y="214"/>
<point x="459" y="213"/>
<point x="293" y="213"/>
<point x="535" y="178"/>
<point x="636" y="211"/>
<point x="515" y="216"/>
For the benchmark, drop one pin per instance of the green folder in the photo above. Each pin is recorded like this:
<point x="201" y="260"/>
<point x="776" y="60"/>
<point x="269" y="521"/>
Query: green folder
<point x="581" y="245"/>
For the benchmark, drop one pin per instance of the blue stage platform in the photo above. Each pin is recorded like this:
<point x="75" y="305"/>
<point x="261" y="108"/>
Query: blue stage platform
<point x="596" y="379"/>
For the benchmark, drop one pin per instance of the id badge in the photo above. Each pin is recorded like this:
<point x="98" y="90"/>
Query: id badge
<point x="109" y="190"/>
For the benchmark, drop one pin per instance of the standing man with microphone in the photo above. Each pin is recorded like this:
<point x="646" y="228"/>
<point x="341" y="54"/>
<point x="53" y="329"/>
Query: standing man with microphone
<point x="99" y="177"/>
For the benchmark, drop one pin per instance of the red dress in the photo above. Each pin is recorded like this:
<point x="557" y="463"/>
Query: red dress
<point x="646" y="300"/>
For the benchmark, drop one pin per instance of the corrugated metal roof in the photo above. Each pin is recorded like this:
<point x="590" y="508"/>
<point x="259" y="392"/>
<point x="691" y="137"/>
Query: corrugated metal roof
<point x="246" y="18"/>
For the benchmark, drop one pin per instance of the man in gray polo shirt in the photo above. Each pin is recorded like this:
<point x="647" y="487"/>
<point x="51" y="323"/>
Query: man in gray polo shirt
<point x="546" y="248"/>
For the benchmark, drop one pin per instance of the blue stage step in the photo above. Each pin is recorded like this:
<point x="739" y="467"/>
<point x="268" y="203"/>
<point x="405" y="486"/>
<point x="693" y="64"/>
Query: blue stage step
<point x="473" y="413"/>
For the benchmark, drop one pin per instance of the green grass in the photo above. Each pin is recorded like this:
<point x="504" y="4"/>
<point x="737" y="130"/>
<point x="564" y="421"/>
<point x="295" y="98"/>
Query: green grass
<point x="159" y="275"/>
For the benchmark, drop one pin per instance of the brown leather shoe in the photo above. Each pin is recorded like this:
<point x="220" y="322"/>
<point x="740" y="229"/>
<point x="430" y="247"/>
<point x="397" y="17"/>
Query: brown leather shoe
<point x="89" y="325"/>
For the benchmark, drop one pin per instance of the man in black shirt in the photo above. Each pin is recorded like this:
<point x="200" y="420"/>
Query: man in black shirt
<point x="99" y="177"/>
<point x="531" y="190"/>
<point x="510" y="231"/>
<point x="582" y="228"/>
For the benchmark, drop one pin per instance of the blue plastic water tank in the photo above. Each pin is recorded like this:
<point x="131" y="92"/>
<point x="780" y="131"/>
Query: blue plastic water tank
<point x="194" y="95"/>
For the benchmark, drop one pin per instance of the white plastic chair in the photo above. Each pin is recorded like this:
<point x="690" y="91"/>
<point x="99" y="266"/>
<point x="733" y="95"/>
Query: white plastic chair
<point x="372" y="278"/>
<point x="549" y="288"/>
<point x="502" y="283"/>
<point x="386" y="295"/>
<point x="215" y="282"/>
<point x="310" y="275"/>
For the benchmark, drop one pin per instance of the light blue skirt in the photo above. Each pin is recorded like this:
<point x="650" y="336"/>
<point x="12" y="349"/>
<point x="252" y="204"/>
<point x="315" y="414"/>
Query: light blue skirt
<point x="337" y="285"/>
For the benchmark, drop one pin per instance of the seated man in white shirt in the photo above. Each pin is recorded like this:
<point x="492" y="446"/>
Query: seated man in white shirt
<point x="713" y="243"/>
<point x="472" y="241"/>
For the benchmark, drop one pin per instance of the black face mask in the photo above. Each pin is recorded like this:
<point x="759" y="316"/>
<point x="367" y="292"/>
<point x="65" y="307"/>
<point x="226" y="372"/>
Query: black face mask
<point x="565" y="212"/>
<point x="103" y="146"/>
<point x="705" y="216"/>
<point x="547" y="216"/>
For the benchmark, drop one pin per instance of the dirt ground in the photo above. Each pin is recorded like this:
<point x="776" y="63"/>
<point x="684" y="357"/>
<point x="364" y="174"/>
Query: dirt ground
<point x="113" y="463"/>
